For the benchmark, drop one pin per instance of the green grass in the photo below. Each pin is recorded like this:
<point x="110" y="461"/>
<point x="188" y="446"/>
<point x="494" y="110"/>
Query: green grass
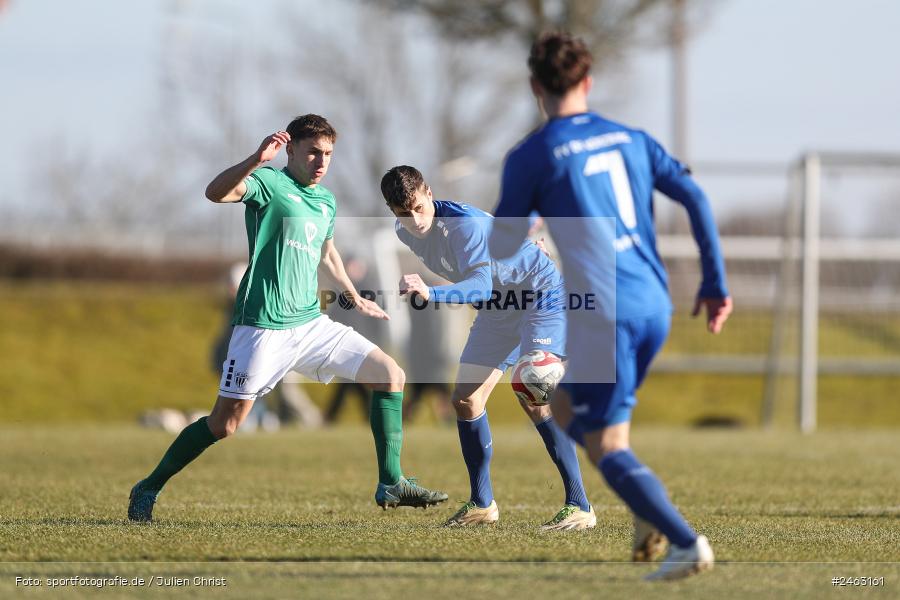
<point x="83" y="351"/>
<point x="292" y="514"/>
<point x="105" y="352"/>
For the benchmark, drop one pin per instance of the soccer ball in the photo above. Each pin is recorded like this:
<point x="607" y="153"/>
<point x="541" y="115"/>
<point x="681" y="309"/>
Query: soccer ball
<point x="535" y="376"/>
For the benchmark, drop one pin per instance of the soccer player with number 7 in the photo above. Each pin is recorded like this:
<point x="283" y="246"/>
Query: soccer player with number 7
<point x="592" y="180"/>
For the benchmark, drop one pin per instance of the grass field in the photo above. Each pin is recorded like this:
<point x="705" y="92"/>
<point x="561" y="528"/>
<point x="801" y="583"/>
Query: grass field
<point x="86" y="351"/>
<point x="291" y="514"/>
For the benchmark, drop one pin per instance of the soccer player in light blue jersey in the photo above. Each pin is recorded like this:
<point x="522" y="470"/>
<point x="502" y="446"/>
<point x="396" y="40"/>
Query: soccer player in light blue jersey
<point x="521" y="310"/>
<point x="592" y="180"/>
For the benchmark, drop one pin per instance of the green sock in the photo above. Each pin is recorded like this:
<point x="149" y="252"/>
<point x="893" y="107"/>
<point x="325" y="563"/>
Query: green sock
<point x="190" y="443"/>
<point x="386" y="419"/>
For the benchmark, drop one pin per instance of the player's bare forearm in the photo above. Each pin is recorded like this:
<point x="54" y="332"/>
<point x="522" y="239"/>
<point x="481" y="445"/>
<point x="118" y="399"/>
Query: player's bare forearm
<point x="333" y="266"/>
<point x="228" y="186"/>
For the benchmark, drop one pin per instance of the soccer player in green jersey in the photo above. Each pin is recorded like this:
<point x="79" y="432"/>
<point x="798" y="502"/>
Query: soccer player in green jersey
<point x="278" y="326"/>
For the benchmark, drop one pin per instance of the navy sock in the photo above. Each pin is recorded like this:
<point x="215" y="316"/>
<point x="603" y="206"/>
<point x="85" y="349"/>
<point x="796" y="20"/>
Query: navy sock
<point x="562" y="452"/>
<point x="576" y="433"/>
<point x="645" y="495"/>
<point x="477" y="449"/>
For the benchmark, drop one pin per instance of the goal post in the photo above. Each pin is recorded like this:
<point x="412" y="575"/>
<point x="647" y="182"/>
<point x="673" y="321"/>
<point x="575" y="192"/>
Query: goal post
<point x="881" y="251"/>
<point x="809" y="306"/>
<point x="816" y="282"/>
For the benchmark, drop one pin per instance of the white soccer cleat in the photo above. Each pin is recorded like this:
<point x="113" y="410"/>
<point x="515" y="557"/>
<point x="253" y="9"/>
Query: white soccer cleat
<point x="682" y="562"/>
<point x="471" y="514"/>
<point x="571" y="518"/>
<point x="649" y="543"/>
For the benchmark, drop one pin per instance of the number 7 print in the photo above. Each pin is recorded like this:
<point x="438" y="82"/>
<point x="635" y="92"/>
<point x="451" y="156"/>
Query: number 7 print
<point x="611" y="162"/>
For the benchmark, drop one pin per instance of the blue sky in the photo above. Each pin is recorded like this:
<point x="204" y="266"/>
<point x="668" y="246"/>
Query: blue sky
<point x="77" y="71"/>
<point x="768" y="79"/>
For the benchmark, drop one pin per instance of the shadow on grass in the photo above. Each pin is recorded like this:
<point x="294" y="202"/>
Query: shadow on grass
<point x="387" y="561"/>
<point x="165" y="524"/>
<point x="65" y="522"/>
<point x="873" y="513"/>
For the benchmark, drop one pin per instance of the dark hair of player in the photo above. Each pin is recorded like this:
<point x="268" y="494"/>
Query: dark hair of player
<point x="559" y="61"/>
<point x="399" y="186"/>
<point x="311" y="126"/>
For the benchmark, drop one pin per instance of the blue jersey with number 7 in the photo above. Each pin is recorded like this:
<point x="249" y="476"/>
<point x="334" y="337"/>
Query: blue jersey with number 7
<point x="593" y="180"/>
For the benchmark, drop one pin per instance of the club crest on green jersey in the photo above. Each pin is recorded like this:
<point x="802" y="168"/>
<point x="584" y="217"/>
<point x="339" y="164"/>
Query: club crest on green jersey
<point x="310" y="231"/>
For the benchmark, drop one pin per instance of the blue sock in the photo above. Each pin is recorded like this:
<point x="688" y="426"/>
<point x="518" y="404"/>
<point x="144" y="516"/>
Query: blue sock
<point x="562" y="452"/>
<point x="576" y="432"/>
<point x="477" y="450"/>
<point x="645" y="495"/>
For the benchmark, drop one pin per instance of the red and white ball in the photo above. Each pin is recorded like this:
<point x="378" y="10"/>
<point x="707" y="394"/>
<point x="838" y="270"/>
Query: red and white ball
<point x="535" y="376"/>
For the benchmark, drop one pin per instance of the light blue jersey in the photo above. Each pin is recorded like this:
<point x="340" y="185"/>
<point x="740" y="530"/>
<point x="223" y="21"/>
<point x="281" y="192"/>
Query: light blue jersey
<point x="456" y="248"/>
<point x="511" y="319"/>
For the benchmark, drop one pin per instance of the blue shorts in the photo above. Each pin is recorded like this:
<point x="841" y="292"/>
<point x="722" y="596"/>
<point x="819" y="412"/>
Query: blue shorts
<point x="499" y="337"/>
<point x="599" y="405"/>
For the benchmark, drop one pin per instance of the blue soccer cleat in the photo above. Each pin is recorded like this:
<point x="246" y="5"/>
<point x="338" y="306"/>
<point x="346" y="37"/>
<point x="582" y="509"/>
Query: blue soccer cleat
<point x="141" y="502"/>
<point x="407" y="492"/>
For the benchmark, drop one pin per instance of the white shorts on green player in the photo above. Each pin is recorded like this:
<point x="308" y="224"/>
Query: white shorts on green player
<point x="320" y="349"/>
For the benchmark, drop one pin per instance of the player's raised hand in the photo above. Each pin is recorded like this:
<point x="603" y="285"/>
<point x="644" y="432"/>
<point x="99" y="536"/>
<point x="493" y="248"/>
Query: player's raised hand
<point x="542" y="246"/>
<point x="270" y="146"/>
<point x="369" y="308"/>
<point x="717" y="311"/>
<point x="413" y="284"/>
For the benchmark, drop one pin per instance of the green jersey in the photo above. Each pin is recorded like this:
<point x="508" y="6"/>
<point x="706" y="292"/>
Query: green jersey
<point x="287" y="223"/>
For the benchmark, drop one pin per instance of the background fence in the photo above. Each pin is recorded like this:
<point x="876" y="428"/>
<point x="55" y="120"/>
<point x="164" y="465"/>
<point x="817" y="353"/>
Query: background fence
<point x="812" y="253"/>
